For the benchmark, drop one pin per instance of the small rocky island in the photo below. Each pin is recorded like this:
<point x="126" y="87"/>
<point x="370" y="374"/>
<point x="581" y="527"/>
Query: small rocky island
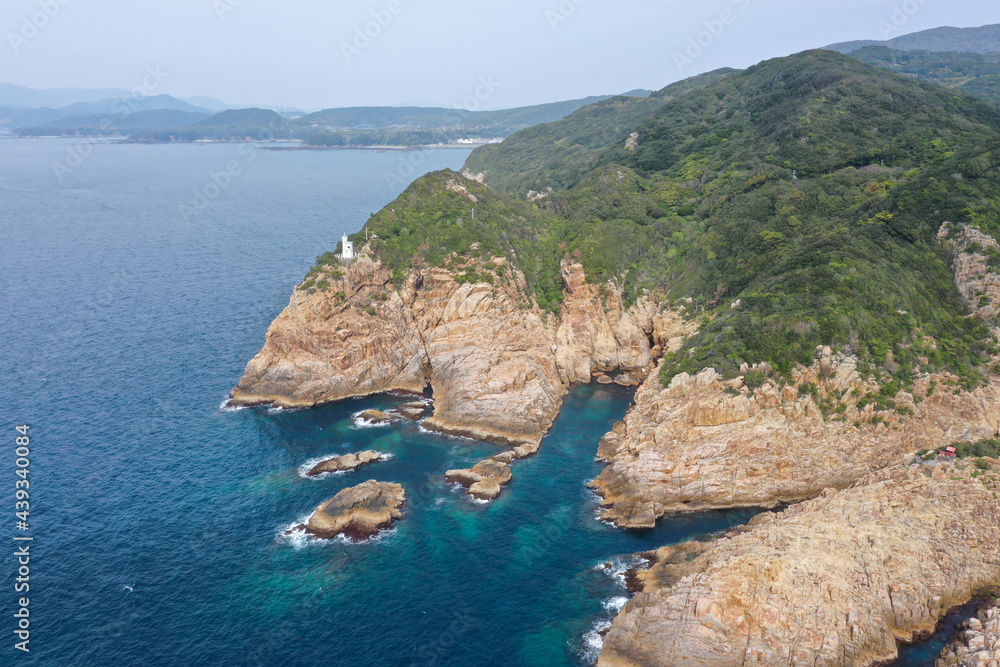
<point x="358" y="512"/>
<point x="345" y="463"/>
<point x="486" y="479"/>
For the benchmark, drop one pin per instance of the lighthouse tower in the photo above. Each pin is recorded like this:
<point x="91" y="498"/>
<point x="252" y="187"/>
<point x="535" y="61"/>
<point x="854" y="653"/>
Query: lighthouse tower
<point x="347" y="249"/>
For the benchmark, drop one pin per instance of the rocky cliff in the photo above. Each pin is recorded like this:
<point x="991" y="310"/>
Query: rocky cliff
<point x="705" y="443"/>
<point x="836" y="580"/>
<point x="498" y="365"/>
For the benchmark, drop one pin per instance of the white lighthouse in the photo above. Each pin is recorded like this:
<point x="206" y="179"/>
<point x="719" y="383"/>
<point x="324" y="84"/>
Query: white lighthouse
<point x="347" y="249"/>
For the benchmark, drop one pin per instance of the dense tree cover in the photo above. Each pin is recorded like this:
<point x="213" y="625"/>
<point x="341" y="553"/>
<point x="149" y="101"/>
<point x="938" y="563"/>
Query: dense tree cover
<point x="795" y="204"/>
<point x="363" y="138"/>
<point x="976" y="74"/>
<point x="481" y="123"/>
<point x="981" y="39"/>
<point x="231" y="125"/>
<point x="557" y="155"/>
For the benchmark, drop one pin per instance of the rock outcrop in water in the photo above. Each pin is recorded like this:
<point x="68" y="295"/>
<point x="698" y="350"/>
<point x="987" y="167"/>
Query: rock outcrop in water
<point x="498" y="365"/>
<point x="977" y="643"/>
<point x="836" y="580"/>
<point x="486" y="479"/>
<point x="358" y="512"/>
<point x="344" y="463"/>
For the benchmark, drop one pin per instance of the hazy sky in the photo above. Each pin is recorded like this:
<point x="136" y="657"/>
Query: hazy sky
<point x="308" y="53"/>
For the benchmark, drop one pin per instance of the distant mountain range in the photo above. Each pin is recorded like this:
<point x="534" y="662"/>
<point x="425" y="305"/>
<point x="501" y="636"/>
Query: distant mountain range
<point x="984" y="39"/>
<point x="367" y="126"/>
<point x="966" y="59"/>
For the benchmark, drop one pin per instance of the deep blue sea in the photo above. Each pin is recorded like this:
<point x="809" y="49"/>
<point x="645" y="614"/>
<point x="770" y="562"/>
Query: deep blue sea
<point x="136" y="286"/>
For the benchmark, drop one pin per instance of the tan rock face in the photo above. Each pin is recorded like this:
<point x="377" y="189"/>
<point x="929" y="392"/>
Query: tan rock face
<point x="324" y="347"/>
<point x="491" y="367"/>
<point x="833" y="581"/>
<point x="358" y="512"/>
<point x="499" y="369"/>
<point x="692" y="446"/>
<point x="597" y="334"/>
<point x="976" y="280"/>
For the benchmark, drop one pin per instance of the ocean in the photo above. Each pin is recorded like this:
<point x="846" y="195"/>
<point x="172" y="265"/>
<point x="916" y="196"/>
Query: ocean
<point x="137" y="282"/>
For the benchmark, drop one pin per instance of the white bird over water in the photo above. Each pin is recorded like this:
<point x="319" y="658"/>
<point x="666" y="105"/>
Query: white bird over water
<point x="127" y="587"/>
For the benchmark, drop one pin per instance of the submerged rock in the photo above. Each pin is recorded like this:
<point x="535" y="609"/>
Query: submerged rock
<point x="345" y="462"/>
<point x="836" y="580"/>
<point x="486" y="479"/>
<point x="358" y="512"/>
<point x="377" y="417"/>
<point x="414" y="411"/>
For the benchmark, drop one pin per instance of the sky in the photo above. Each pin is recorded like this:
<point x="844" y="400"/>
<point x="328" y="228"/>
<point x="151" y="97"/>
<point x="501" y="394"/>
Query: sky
<point x="314" y="54"/>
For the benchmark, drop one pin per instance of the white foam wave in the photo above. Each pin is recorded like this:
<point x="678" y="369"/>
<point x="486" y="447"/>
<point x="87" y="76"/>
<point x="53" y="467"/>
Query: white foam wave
<point x="226" y="407"/>
<point x="593" y="641"/>
<point x="617" y="567"/>
<point x="615" y="604"/>
<point x="450" y="436"/>
<point x="295" y="535"/>
<point x="358" y="422"/>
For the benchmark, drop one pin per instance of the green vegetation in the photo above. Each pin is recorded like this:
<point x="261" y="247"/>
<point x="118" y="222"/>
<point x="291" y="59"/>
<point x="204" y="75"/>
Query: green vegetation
<point x="558" y="154"/>
<point x="976" y="74"/>
<point x="362" y="138"/>
<point x="796" y="204"/>
<point x="231" y="125"/>
<point x="989" y="448"/>
<point x="983" y="39"/>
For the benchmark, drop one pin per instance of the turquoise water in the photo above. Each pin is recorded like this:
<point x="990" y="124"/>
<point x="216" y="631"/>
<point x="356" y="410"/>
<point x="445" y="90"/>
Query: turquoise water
<point x="158" y="516"/>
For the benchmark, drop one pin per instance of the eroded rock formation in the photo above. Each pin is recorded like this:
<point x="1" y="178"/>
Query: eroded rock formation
<point x="358" y="512"/>
<point x="486" y="479"/>
<point x="707" y="443"/>
<point x="499" y="366"/>
<point x="836" y="580"/>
